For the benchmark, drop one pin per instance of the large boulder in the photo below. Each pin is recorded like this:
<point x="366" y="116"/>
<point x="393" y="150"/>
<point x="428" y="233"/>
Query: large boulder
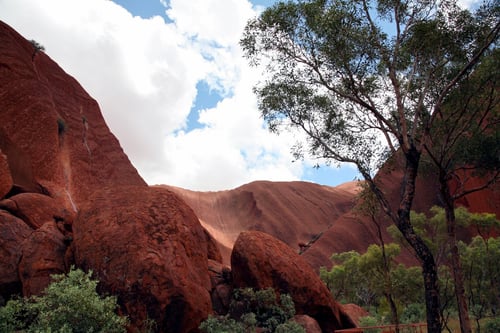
<point x="42" y="256"/>
<point x="36" y="209"/>
<point x="13" y="232"/>
<point x="261" y="261"/>
<point x="148" y="248"/>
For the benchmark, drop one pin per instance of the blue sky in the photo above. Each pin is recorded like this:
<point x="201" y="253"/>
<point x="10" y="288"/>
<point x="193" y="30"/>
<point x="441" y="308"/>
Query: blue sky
<point x="172" y="85"/>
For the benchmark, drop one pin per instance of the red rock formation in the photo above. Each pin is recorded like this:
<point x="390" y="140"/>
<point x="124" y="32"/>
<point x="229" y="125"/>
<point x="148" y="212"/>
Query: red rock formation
<point x="261" y="261"/>
<point x="36" y="209"/>
<point x="13" y="232"/>
<point x="6" y="181"/>
<point x="355" y="312"/>
<point x="308" y="323"/>
<point x="42" y="255"/>
<point x="148" y="248"/>
<point x="51" y="130"/>
<point x="294" y="212"/>
<point x="54" y="145"/>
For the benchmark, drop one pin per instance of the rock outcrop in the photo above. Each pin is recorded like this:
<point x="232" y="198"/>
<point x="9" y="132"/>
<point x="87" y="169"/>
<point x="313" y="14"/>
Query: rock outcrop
<point x="13" y="232"/>
<point x="148" y="248"/>
<point x="55" y="150"/>
<point x="51" y="131"/>
<point x="260" y="261"/>
<point x="43" y="254"/>
<point x="297" y="213"/>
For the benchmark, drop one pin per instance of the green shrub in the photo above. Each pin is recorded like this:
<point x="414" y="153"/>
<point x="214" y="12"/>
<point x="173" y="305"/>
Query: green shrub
<point x="413" y="313"/>
<point x="37" y="46"/>
<point x="70" y="304"/>
<point x="255" y="308"/>
<point x="367" y="322"/>
<point x="492" y="326"/>
<point x="290" y="327"/>
<point x="221" y="324"/>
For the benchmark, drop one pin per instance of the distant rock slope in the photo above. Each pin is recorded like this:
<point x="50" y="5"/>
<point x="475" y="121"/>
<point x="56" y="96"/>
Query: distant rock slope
<point x="297" y="213"/>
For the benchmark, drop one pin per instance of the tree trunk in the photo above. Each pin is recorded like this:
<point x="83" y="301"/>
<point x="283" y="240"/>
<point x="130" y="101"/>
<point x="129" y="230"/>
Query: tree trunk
<point x="429" y="268"/>
<point x="456" y="266"/>
<point x="388" y="279"/>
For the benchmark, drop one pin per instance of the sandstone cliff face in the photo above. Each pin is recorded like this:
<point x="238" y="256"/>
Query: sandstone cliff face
<point x="55" y="150"/>
<point x="51" y="131"/>
<point x="315" y="220"/>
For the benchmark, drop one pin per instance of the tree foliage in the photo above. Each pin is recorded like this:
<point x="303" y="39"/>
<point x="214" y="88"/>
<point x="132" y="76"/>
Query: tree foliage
<point x="364" y="79"/>
<point x="70" y="304"/>
<point x="361" y="279"/>
<point x="482" y="276"/>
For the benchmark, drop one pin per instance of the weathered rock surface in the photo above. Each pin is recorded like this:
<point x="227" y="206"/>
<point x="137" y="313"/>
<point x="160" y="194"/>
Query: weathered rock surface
<point x="309" y="323"/>
<point x="36" y="209"/>
<point x="51" y="130"/>
<point x="221" y="286"/>
<point x="355" y="312"/>
<point x="6" y="181"/>
<point x="42" y="255"/>
<point x="13" y="232"/>
<point x="55" y="150"/>
<point x="148" y="248"/>
<point x="261" y="261"/>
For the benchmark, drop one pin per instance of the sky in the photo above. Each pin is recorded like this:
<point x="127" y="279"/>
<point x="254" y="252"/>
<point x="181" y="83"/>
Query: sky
<point x="172" y="85"/>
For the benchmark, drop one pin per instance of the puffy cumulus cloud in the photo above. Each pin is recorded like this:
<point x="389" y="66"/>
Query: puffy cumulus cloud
<point x="144" y="72"/>
<point x="232" y="148"/>
<point x="214" y="21"/>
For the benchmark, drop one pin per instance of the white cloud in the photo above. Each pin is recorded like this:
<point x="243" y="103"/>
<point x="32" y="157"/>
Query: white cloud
<point x="143" y="73"/>
<point x="468" y="3"/>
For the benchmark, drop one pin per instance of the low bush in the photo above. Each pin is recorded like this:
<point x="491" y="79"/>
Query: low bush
<point x="70" y="304"/>
<point x="250" y="309"/>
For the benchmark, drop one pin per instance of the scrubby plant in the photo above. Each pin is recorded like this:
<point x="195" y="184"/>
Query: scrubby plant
<point x="70" y="304"/>
<point x="492" y="326"/>
<point x="251" y="309"/>
<point x="37" y="46"/>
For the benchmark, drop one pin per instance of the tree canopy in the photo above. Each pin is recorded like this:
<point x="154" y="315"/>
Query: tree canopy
<point x="364" y="79"/>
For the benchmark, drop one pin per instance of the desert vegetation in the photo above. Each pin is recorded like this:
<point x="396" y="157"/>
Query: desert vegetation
<point x="70" y="304"/>
<point x="367" y="81"/>
<point x="374" y="279"/>
<point x="251" y="309"/>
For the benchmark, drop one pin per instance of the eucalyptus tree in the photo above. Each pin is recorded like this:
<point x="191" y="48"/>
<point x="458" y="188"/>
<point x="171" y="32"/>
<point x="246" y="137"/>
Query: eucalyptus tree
<point x="364" y="79"/>
<point x="465" y="149"/>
